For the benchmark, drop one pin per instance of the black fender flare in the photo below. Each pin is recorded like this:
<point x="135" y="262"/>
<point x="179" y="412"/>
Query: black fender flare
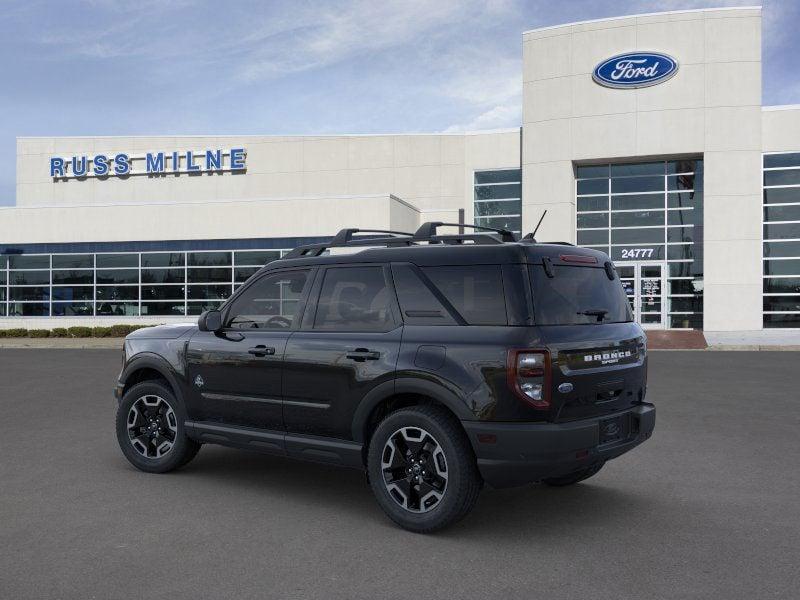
<point x="149" y="360"/>
<point x="407" y="385"/>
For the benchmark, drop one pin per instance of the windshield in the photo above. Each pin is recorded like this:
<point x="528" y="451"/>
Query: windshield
<point x="577" y="296"/>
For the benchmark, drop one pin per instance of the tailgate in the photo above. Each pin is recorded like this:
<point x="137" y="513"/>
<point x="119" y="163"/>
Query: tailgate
<point x="597" y="370"/>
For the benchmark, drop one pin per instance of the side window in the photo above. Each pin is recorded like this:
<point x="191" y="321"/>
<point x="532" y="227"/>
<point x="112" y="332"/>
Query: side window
<point x="354" y="299"/>
<point x="272" y="302"/>
<point x="417" y="302"/>
<point x="476" y="292"/>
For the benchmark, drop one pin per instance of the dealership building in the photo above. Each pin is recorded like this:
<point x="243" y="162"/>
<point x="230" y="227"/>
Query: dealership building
<point x="643" y="136"/>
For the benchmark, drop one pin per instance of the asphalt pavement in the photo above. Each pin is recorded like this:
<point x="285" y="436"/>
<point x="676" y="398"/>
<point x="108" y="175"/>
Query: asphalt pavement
<point x="708" y="508"/>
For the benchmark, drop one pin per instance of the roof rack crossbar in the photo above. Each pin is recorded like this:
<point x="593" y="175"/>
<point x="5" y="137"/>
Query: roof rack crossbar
<point x="345" y="239"/>
<point x="428" y="230"/>
<point x="346" y="235"/>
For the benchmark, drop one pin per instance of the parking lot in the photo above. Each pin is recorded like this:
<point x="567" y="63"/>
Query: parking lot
<point x="709" y="508"/>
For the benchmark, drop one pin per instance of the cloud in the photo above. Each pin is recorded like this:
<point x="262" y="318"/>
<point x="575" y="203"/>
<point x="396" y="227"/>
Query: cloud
<point x="497" y="117"/>
<point x="328" y="35"/>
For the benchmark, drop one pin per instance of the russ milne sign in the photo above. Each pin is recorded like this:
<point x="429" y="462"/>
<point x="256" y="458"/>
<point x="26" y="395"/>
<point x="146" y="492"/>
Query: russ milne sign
<point x="151" y="163"/>
<point x="635" y="70"/>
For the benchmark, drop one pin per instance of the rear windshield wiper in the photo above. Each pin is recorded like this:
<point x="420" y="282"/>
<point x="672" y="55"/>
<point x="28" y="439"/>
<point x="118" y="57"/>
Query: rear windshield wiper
<point x="600" y="313"/>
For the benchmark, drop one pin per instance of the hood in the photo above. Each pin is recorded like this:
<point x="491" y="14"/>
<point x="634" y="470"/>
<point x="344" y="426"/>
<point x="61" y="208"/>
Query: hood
<point x="163" y="332"/>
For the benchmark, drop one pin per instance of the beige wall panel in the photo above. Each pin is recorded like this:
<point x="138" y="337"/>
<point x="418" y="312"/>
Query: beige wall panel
<point x="732" y="174"/>
<point x="733" y="128"/>
<point x="590" y="99"/>
<point x="606" y="136"/>
<point x="684" y="90"/>
<point x="547" y="57"/>
<point x="548" y="99"/>
<point x="453" y="149"/>
<point x="732" y="307"/>
<point x="671" y="36"/>
<point x="733" y="84"/>
<point x="325" y="154"/>
<point x="413" y="182"/>
<point x="736" y="218"/>
<point x="322" y="183"/>
<point x="733" y="39"/>
<point x="370" y="181"/>
<point x="781" y="130"/>
<point x="370" y="152"/>
<point x="670" y="132"/>
<point x="274" y="157"/>
<point x="417" y="150"/>
<point x="587" y="46"/>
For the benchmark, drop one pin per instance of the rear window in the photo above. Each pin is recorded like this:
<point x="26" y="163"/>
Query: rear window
<point x="476" y="292"/>
<point x="577" y="296"/>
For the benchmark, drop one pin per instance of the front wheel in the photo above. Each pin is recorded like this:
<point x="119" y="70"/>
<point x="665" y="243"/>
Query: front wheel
<point x="150" y="429"/>
<point x="422" y="469"/>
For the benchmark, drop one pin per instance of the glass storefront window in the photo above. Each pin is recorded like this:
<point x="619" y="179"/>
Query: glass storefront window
<point x="163" y="259"/>
<point x="163" y="276"/>
<point x="83" y="292"/>
<point x="649" y="212"/>
<point x="29" y="277"/>
<point x="113" y="261"/>
<point x="781" y="248"/>
<point x="73" y="309"/>
<point x="73" y="261"/>
<point x="255" y="258"/>
<point x="162" y="309"/>
<point x="113" y="283"/>
<point x="83" y="276"/>
<point x="29" y="261"/>
<point x="498" y="199"/>
<point x="28" y="309"/>
<point x="209" y="259"/>
<point x="206" y="275"/>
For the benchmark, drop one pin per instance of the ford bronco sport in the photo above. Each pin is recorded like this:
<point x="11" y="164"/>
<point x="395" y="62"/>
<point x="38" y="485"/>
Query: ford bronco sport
<point x="435" y="362"/>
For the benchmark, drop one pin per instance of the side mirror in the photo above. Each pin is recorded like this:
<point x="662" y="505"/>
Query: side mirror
<point x="210" y="320"/>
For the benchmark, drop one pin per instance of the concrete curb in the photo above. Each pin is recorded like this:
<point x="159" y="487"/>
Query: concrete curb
<point x="732" y="348"/>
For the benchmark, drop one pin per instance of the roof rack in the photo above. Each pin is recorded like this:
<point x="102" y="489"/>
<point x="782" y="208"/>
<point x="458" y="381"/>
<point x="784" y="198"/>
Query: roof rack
<point x="345" y="239"/>
<point x="426" y="233"/>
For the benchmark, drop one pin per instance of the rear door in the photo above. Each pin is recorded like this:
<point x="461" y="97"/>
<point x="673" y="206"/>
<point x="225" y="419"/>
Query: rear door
<point x="235" y="374"/>
<point x="348" y="344"/>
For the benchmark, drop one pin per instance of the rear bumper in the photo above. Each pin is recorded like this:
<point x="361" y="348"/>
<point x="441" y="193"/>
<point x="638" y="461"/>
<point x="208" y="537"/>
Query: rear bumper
<point x="527" y="452"/>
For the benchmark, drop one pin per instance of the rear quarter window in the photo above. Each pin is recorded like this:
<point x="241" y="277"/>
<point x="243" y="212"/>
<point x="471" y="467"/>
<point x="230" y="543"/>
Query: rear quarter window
<point x="575" y="295"/>
<point x="475" y="291"/>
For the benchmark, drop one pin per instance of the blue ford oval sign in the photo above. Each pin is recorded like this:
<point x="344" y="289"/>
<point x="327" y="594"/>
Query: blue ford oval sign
<point x="635" y="70"/>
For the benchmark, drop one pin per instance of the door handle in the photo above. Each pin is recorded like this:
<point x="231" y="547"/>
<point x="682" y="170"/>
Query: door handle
<point x="362" y="354"/>
<point x="261" y="350"/>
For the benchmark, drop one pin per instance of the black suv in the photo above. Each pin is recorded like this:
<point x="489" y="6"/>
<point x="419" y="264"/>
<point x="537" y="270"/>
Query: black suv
<point x="435" y="362"/>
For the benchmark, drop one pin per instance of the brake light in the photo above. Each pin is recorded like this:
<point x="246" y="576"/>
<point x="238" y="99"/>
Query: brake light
<point x="579" y="258"/>
<point x="529" y="376"/>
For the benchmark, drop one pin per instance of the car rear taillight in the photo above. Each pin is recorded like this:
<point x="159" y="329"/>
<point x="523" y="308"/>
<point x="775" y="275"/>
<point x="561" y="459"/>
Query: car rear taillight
<point x="529" y="376"/>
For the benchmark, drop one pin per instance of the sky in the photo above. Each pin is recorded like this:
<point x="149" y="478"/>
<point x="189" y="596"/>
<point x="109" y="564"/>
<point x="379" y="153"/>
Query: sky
<point x="161" y="67"/>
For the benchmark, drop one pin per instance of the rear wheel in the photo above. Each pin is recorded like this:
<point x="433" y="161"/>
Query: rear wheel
<point x="573" y="477"/>
<point x="150" y="429"/>
<point x="422" y="469"/>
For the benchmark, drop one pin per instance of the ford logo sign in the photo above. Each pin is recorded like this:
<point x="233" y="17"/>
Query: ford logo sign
<point x="635" y="70"/>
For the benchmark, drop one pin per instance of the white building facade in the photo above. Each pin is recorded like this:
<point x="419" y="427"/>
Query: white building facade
<point x="665" y="158"/>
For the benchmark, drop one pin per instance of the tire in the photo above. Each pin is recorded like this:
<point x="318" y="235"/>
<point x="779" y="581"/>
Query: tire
<point x="161" y="447"/>
<point x="445" y="493"/>
<point x="573" y="478"/>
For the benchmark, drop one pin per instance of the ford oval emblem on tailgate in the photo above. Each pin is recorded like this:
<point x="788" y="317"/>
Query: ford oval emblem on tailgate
<point x="565" y="388"/>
